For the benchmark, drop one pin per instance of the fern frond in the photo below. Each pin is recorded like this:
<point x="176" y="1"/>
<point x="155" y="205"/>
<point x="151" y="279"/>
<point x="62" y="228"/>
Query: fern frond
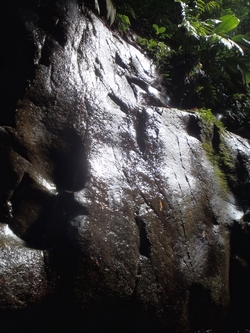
<point x="191" y="29"/>
<point x="201" y="6"/>
<point x="199" y="28"/>
<point x="206" y="7"/>
<point x="208" y="28"/>
<point x="111" y="11"/>
<point x="211" y="5"/>
<point x="210" y="93"/>
<point x="130" y="11"/>
<point x="97" y="8"/>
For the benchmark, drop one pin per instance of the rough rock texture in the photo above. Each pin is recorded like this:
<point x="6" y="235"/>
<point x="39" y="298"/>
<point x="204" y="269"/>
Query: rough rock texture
<point x="114" y="217"/>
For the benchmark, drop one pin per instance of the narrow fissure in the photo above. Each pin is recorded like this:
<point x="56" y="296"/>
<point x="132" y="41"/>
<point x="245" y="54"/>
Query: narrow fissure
<point x="145" y="245"/>
<point x="118" y="102"/>
<point x="141" y="136"/>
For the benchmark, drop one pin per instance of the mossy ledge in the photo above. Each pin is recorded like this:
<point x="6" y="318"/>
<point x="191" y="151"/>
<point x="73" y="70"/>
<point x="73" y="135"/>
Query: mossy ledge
<point x="213" y="135"/>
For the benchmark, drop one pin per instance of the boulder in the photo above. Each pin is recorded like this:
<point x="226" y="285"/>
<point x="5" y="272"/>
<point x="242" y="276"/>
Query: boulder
<point x="115" y="215"/>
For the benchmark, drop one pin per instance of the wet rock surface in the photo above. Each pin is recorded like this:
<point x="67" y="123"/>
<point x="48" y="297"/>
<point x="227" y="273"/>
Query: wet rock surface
<point x="113" y="216"/>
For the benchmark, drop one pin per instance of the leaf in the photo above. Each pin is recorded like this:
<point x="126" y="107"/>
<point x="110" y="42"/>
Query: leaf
<point x="212" y="5"/>
<point x="97" y="6"/>
<point x="246" y="41"/>
<point x="152" y="43"/>
<point x="201" y="6"/>
<point x="191" y="29"/>
<point x="123" y="22"/>
<point x="228" y="23"/>
<point x="158" y="30"/>
<point x="226" y="42"/>
<point x="208" y="28"/>
<point x="142" y="41"/>
<point x="245" y="71"/>
<point x="161" y="30"/>
<point x="126" y="20"/>
<point x="111" y="11"/>
<point x="248" y="77"/>
<point x="155" y="26"/>
<point x="234" y="45"/>
<point x="242" y="40"/>
<point x="130" y="10"/>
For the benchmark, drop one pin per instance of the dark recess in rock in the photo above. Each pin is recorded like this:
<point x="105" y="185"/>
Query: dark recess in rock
<point x="16" y="60"/>
<point x="246" y="217"/>
<point x="46" y="52"/>
<point x="141" y="135"/>
<point x="193" y="127"/>
<point x="119" y="61"/>
<point x="145" y="245"/>
<point x="203" y="313"/>
<point x="238" y="318"/>
<point x="71" y="170"/>
<point x="140" y="83"/>
<point x="215" y="220"/>
<point x="124" y="108"/>
<point x="216" y="140"/>
<point x="30" y="223"/>
<point x="242" y="172"/>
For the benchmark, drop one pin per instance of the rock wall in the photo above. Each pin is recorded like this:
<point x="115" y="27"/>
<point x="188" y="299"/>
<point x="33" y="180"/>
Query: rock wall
<point x="113" y="215"/>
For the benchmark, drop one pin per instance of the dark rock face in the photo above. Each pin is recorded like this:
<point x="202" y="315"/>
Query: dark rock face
<point x="113" y="217"/>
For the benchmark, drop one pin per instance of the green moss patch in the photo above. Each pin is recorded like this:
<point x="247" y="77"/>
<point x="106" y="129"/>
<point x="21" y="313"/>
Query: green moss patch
<point x="217" y="152"/>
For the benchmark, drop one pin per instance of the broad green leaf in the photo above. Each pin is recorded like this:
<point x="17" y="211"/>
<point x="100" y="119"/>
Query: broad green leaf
<point x="226" y="42"/>
<point x="161" y="30"/>
<point x="248" y="77"/>
<point x="247" y="42"/>
<point x="228" y="23"/>
<point x="155" y="26"/>
<point x="242" y="40"/>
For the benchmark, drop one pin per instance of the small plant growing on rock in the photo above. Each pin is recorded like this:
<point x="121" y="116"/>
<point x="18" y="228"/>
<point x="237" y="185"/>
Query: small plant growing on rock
<point x="213" y="142"/>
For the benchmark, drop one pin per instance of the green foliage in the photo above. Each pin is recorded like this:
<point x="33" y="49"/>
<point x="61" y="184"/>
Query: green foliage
<point x="241" y="9"/>
<point x="157" y="48"/>
<point x="123" y="22"/>
<point x="217" y="66"/>
<point x="219" y="155"/>
<point x="228" y="23"/>
<point x="202" y="47"/>
<point x="218" y="172"/>
<point x="158" y="30"/>
<point x="208" y="119"/>
<point x="237" y="114"/>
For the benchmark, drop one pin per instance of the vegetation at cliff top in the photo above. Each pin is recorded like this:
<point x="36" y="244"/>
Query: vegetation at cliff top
<point x="202" y="48"/>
